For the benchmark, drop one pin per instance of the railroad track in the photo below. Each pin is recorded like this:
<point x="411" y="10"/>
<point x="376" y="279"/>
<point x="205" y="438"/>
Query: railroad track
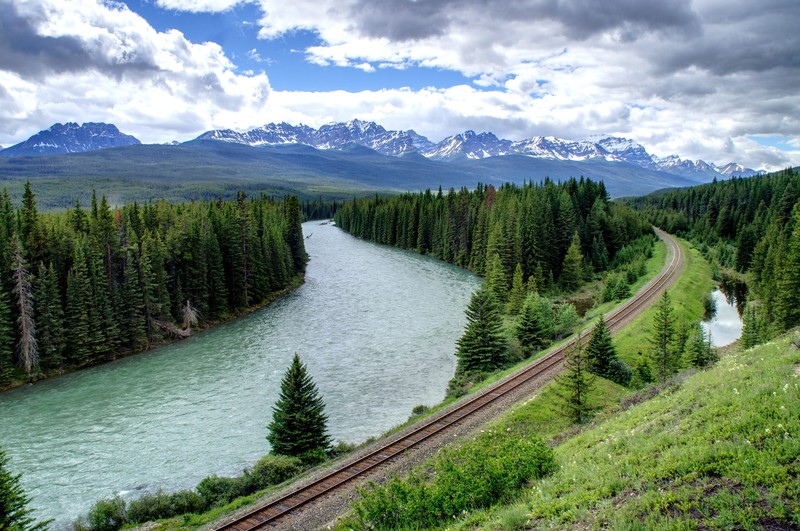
<point x="274" y="510"/>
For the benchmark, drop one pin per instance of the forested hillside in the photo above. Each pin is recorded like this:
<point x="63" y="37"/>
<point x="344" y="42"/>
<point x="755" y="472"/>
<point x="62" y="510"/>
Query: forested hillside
<point x="749" y="227"/>
<point x="85" y="285"/>
<point x="531" y="225"/>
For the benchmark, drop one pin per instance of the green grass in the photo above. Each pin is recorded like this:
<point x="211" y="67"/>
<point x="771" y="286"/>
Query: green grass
<point x="718" y="449"/>
<point x="687" y="299"/>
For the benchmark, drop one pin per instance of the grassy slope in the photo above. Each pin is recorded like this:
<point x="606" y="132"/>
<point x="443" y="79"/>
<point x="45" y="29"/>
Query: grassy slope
<point x="687" y="299"/>
<point x="720" y="448"/>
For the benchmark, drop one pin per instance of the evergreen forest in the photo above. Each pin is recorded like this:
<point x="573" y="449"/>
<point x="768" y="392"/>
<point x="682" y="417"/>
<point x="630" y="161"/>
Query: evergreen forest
<point x="86" y="285"/>
<point x="532" y="226"/>
<point x="749" y="228"/>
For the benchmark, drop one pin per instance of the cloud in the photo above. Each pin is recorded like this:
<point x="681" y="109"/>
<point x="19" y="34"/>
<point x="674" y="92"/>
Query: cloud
<point x="680" y="76"/>
<point x="97" y="61"/>
<point x="199" y="6"/>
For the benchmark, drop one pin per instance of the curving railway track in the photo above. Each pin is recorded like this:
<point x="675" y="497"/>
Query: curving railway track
<point x="271" y="513"/>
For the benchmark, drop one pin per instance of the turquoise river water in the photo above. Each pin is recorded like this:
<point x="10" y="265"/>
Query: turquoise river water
<point x="376" y="327"/>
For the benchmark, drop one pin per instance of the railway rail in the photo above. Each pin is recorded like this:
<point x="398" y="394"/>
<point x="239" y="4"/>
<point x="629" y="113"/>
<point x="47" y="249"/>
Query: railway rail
<point x="276" y="509"/>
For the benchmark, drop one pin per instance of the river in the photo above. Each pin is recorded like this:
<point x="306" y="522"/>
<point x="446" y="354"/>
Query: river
<point x="375" y="325"/>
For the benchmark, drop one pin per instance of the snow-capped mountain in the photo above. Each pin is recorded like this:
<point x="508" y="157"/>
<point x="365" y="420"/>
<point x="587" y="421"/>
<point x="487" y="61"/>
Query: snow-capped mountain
<point x="472" y="145"/>
<point x="71" y="138"/>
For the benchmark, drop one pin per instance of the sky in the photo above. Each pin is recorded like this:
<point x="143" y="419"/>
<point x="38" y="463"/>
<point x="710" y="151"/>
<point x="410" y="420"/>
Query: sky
<point x="717" y="80"/>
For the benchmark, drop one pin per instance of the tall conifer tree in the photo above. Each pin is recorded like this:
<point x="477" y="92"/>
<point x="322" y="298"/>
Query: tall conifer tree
<point x="299" y="423"/>
<point x="483" y="346"/>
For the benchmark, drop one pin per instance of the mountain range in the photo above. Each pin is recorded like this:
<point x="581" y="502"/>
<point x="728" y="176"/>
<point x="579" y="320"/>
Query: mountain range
<point x="72" y="138"/>
<point x="472" y="145"/>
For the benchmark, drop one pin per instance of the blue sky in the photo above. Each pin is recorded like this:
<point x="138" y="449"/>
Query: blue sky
<point x="284" y="57"/>
<point x="665" y="73"/>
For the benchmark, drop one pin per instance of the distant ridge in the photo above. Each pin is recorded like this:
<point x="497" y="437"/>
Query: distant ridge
<point x="475" y="146"/>
<point x="71" y="138"/>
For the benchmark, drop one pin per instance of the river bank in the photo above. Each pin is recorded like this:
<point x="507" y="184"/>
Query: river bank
<point x="296" y="282"/>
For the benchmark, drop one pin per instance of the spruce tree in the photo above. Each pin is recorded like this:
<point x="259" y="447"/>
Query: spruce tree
<point x="496" y="280"/>
<point x="535" y="326"/>
<point x="298" y="426"/>
<point x="600" y="350"/>
<point x="662" y="337"/>
<point x="699" y="352"/>
<point x="572" y="266"/>
<point x="518" y="290"/>
<point x="49" y="319"/>
<point x="14" y="512"/>
<point x="751" y="329"/>
<point x="6" y="338"/>
<point x="27" y="345"/>
<point x="483" y="346"/>
<point x="575" y="383"/>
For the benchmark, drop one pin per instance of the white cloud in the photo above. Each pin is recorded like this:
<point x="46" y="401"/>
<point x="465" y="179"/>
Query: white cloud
<point x="678" y="76"/>
<point x="119" y="69"/>
<point x="199" y="6"/>
<point x="695" y="78"/>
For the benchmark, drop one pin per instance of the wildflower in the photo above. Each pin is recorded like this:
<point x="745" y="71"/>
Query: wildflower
<point x="767" y="431"/>
<point x="786" y="388"/>
<point x="735" y="391"/>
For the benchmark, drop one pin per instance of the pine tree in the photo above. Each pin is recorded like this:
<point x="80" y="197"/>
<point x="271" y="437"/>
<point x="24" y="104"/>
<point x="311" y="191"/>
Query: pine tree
<point x="699" y="352"/>
<point x="483" y="346"/>
<point x="298" y="426"/>
<point x="294" y="233"/>
<point x="572" y="266"/>
<point x="751" y="328"/>
<point x="662" y="337"/>
<point x="49" y="319"/>
<point x="535" y="326"/>
<point x="496" y="280"/>
<point x="518" y="291"/>
<point x="14" y="512"/>
<point x="575" y="383"/>
<point x="788" y="293"/>
<point x="79" y="299"/>
<point x="27" y="346"/>
<point x="6" y="338"/>
<point x="600" y="350"/>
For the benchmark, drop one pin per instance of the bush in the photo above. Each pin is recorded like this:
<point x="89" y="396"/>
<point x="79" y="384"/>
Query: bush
<point x="274" y="469"/>
<point x="489" y="470"/>
<point x="341" y="448"/>
<point x="158" y="505"/>
<point x="619" y="372"/>
<point x="107" y="514"/>
<point x="218" y="491"/>
<point x="419" y="410"/>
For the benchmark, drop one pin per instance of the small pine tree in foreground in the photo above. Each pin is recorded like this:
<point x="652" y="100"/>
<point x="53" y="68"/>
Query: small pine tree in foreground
<point x="14" y="512"/>
<point x="575" y="383"/>
<point x="299" y="423"/>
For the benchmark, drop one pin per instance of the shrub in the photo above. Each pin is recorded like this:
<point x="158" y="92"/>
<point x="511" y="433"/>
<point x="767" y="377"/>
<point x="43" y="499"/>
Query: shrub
<point x="491" y="469"/>
<point x="419" y="410"/>
<point x="341" y="448"/>
<point x="619" y="372"/>
<point x="274" y="469"/>
<point x="107" y="514"/>
<point x="218" y="491"/>
<point x="158" y="505"/>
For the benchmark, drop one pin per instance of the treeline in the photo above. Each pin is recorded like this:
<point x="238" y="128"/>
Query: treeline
<point x="82" y="286"/>
<point x="750" y="227"/>
<point x="531" y="225"/>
